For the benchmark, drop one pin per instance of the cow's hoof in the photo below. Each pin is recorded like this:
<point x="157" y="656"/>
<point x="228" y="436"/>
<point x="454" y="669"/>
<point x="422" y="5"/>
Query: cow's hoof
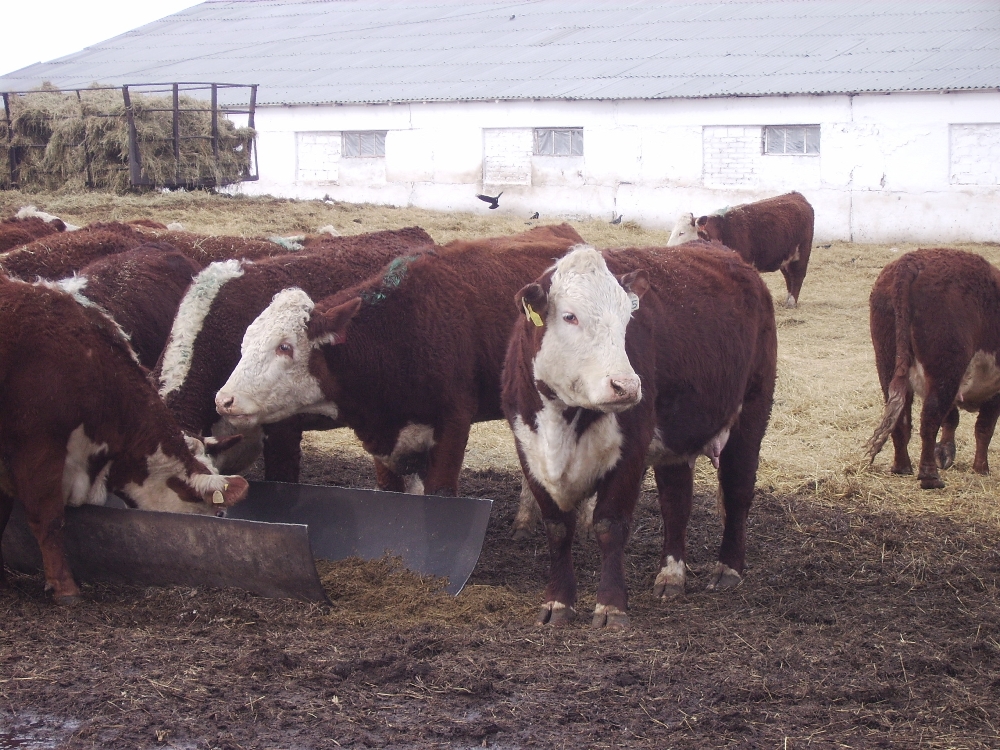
<point x="790" y="303"/>
<point x="944" y="454"/>
<point x="906" y="469"/>
<point x="670" y="580"/>
<point x="555" y="614"/>
<point x="931" y="483"/>
<point x="608" y="616"/>
<point x="668" y="590"/>
<point x="520" y="533"/>
<point x="724" y="577"/>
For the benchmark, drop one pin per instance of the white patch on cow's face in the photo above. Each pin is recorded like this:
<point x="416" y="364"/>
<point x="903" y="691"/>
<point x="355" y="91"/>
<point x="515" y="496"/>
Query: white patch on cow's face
<point x="189" y="320"/>
<point x="685" y="230"/>
<point x="582" y="353"/>
<point x="77" y="486"/>
<point x="156" y="494"/>
<point x="272" y="380"/>
<point x="980" y="382"/>
<point x="566" y="465"/>
<point x="414" y="438"/>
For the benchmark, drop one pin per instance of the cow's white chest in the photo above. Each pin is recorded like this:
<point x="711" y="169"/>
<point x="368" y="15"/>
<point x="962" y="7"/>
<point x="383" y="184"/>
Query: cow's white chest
<point x="566" y="464"/>
<point x="78" y="488"/>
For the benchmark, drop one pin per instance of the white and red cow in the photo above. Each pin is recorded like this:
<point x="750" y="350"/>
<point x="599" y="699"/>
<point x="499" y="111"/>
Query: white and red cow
<point x="204" y="343"/>
<point x="774" y="234"/>
<point x="141" y="290"/>
<point x="635" y="358"/>
<point x="78" y="419"/>
<point x="935" y="326"/>
<point x="408" y="359"/>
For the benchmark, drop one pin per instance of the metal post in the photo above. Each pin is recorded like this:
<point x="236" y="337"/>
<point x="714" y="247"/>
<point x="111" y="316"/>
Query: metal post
<point x="253" y="137"/>
<point x="215" y="123"/>
<point x="86" y="151"/>
<point x="177" y="136"/>
<point x="134" y="166"/>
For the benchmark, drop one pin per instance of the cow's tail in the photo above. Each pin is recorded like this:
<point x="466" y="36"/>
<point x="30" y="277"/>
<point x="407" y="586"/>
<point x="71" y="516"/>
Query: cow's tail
<point x="899" y="386"/>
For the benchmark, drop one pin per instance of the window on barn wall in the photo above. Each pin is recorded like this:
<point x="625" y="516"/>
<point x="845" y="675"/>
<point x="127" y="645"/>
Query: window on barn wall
<point x="559" y="141"/>
<point x="364" y="144"/>
<point x="798" y="140"/>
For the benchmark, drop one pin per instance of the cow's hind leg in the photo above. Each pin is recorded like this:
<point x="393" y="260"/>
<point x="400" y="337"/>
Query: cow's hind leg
<point x="986" y="423"/>
<point x="675" y="483"/>
<point x="901" y="433"/>
<point x="944" y="451"/>
<point x="938" y="402"/>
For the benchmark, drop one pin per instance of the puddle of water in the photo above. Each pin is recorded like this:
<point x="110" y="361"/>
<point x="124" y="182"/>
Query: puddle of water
<point x="29" y="731"/>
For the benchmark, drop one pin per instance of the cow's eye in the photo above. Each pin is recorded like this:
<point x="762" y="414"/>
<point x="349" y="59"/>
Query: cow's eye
<point x="286" y="349"/>
<point x="570" y="318"/>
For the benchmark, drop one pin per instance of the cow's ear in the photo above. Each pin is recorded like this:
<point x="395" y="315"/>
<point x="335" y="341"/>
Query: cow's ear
<point x="531" y="301"/>
<point x="702" y="221"/>
<point x="636" y="283"/>
<point x="330" y="326"/>
<point x="215" y="446"/>
<point x="234" y="491"/>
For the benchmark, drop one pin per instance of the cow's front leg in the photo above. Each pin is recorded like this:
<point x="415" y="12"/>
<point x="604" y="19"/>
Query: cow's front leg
<point x="38" y="484"/>
<point x="675" y="483"/>
<point x="986" y="423"/>
<point x="560" y="593"/>
<point x="616" y="498"/>
<point x="446" y="457"/>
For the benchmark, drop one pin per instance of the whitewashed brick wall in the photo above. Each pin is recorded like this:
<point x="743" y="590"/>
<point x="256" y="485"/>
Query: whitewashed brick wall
<point x="975" y="154"/>
<point x="507" y="156"/>
<point x="731" y="155"/>
<point x="317" y="157"/>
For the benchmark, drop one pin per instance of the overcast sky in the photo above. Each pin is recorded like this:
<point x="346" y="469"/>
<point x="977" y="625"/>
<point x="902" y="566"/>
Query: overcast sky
<point x="42" y="30"/>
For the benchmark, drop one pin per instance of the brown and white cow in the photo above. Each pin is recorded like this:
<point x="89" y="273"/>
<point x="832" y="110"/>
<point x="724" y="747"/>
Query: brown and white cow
<point x="141" y="290"/>
<point x="935" y="325"/>
<point x="635" y="358"/>
<point x="78" y="419"/>
<point x="774" y="234"/>
<point x="15" y="232"/>
<point x="204" y="344"/>
<point x="408" y="359"/>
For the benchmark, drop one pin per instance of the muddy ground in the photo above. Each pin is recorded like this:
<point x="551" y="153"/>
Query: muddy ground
<point x="855" y="627"/>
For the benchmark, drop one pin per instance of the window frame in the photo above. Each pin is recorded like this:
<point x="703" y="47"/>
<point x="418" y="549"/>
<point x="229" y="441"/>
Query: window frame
<point x="377" y="143"/>
<point x="574" y="134"/>
<point x="809" y="133"/>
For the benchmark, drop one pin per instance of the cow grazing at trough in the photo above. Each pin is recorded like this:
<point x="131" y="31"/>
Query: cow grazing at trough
<point x="141" y="290"/>
<point x="79" y="419"/>
<point x="408" y="359"/>
<point x="635" y="358"/>
<point x="774" y="234"/>
<point x="935" y="325"/>
<point x="16" y="232"/>
<point x="224" y="299"/>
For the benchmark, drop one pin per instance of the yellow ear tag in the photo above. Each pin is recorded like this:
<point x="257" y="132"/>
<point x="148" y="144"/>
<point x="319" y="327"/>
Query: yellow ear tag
<point x="531" y="314"/>
<point x="218" y="498"/>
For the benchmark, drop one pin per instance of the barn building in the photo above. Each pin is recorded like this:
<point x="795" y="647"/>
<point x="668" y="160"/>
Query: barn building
<point x="885" y="114"/>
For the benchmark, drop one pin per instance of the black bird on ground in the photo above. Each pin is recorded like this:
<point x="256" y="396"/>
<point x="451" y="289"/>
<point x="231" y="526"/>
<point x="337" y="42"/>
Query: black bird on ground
<point x="534" y="215"/>
<point x="494" y="202"/>
<point x="617" y="219"/>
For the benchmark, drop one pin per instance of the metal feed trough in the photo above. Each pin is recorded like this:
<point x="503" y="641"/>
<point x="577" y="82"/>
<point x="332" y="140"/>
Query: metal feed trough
<point x="268" y="543"/>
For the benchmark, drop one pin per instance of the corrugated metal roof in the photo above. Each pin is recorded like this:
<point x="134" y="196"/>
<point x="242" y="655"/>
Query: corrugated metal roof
<point x="354" y="51"/>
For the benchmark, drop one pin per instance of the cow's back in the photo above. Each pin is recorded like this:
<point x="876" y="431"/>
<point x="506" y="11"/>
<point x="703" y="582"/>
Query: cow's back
<point x="766" y="233"/>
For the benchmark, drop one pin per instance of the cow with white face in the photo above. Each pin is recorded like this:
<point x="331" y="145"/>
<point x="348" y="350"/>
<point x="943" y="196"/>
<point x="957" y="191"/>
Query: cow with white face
<point x="408" y="359"/>
<point x="634" y="358"/>
<point x="685" y="230"/>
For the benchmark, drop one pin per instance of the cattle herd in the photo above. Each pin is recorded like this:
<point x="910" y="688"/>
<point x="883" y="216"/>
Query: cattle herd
<point x="192" y="355"/>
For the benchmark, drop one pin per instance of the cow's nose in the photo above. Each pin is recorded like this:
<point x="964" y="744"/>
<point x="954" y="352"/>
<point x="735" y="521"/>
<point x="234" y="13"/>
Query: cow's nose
<point x="625" y="388"/>
<point x="224" y="402"/>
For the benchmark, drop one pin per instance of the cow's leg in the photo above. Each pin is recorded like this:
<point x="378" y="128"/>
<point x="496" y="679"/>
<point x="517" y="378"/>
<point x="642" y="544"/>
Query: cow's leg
<point x="282" y="452"/>
<point x="675" y="483"/>
<point x="528" y="514"/>
<point x="388" y="480"/>
<point x="616" y="498"/>
<point x="6" y="506"/>
<point x="37" y="477"/>
<point x="986" y="423"/>
<point x="901" y="433"/>
<point x="560" y="593"/>
<point x="794" y="272"/>
<point x="944" y="451"/>
<point x="938" y="402"/>
<point x="446" y="457"/>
